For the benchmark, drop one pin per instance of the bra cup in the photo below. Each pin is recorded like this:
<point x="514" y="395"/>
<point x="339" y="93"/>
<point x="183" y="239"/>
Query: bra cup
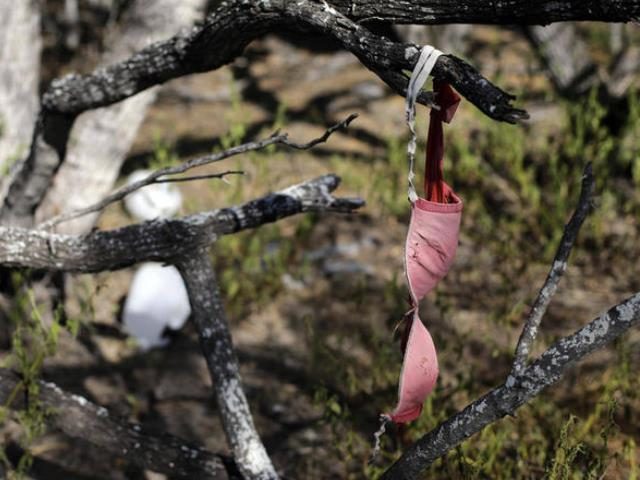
<point x="431" y="246"/>
<point x="419" y="373"/>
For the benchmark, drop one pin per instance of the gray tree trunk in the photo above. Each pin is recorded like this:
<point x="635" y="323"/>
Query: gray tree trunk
<point x="565" y="56"/>
<point x="20" y="46"/>
<point x="101" y="139"/>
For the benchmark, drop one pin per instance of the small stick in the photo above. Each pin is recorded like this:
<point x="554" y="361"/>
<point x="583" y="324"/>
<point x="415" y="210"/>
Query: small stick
<point x="539" y="308"/>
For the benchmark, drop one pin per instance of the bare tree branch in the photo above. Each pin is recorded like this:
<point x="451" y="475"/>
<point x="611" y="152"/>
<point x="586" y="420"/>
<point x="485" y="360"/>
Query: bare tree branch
<point x="509" y="12"/>
<point x="222" y="38"/>
<point x="539" y="308"/>
<point x="215" y="340"/>
<point x="153" y="177"/>
<point x="209" y="176"/>
<point x="505" y="399"/>
<point x="184" y="242"/>
<point x="79" y="418"/>
<point x="228" y="30"/>
<point x="163" y="240"/>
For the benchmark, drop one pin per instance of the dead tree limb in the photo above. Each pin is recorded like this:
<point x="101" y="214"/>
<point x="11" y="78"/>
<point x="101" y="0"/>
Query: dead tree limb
<point x="163" y="240"/>
<point x="228" y="30"/>
<point x="509" y="12"/>
<point x="100" y="139"/>
<point x="184" y="243"/>
<point x="215" y="340"/>
<point x="548" y="290"/>
<point x="505" y="399"/>
<point x="221" y="39"/>
<point x="77" y="417"/>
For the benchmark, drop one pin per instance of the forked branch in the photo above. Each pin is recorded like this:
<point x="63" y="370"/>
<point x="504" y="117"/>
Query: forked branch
<point x="558" y="268"/>
<point x="221" y="39"/>
<point x="525" y="382"/>
<point x="507" y="398"/>
<point x="157" y="176"/>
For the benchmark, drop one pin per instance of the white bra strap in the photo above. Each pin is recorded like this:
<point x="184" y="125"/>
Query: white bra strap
<point x="424" y="65"/>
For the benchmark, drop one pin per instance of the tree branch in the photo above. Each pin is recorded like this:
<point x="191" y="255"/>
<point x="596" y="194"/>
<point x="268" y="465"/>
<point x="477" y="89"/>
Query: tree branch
<point x="505" y="399"/>
<point x="215" y="340"/>
<point x="79" y="418"/>
<point x="558" y="268"/>
<point x="230" y="28"/>
<point x="221" y="39"/>
<point x="508" y="12"/>
<point x="206" y="176"/>
<point x="163" y="240"/>
<point x="154" y="177"/>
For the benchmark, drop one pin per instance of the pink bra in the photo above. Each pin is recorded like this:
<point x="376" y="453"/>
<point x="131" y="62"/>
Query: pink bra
<point x="430" y="247"/>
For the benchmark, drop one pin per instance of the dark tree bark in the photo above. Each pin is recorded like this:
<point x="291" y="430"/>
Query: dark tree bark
<point x="508" y="12"/>
<point x="163" y="240"/>
<point x="77" y="417"/>
<point x="217" y="347"/>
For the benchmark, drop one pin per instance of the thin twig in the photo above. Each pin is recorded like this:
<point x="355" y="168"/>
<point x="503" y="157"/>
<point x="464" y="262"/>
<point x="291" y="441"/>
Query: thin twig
<point x="120" y="193"/>
<point x="539" y="308"/>
<point x="201" y="177"/>
<point x="324" y="137"/>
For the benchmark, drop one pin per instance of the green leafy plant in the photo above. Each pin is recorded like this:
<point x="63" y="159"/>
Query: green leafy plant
<point x="34" y="339"/>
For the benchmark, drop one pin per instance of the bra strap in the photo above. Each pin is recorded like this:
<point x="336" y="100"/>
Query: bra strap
<point x="427" y="60"/>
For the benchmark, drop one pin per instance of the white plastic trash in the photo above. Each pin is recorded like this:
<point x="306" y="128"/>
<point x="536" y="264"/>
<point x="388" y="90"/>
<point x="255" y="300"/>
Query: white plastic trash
<point x="157" y="299"/>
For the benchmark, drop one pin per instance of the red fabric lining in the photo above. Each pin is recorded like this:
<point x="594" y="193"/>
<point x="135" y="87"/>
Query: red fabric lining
<point x="436" y="190"/>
